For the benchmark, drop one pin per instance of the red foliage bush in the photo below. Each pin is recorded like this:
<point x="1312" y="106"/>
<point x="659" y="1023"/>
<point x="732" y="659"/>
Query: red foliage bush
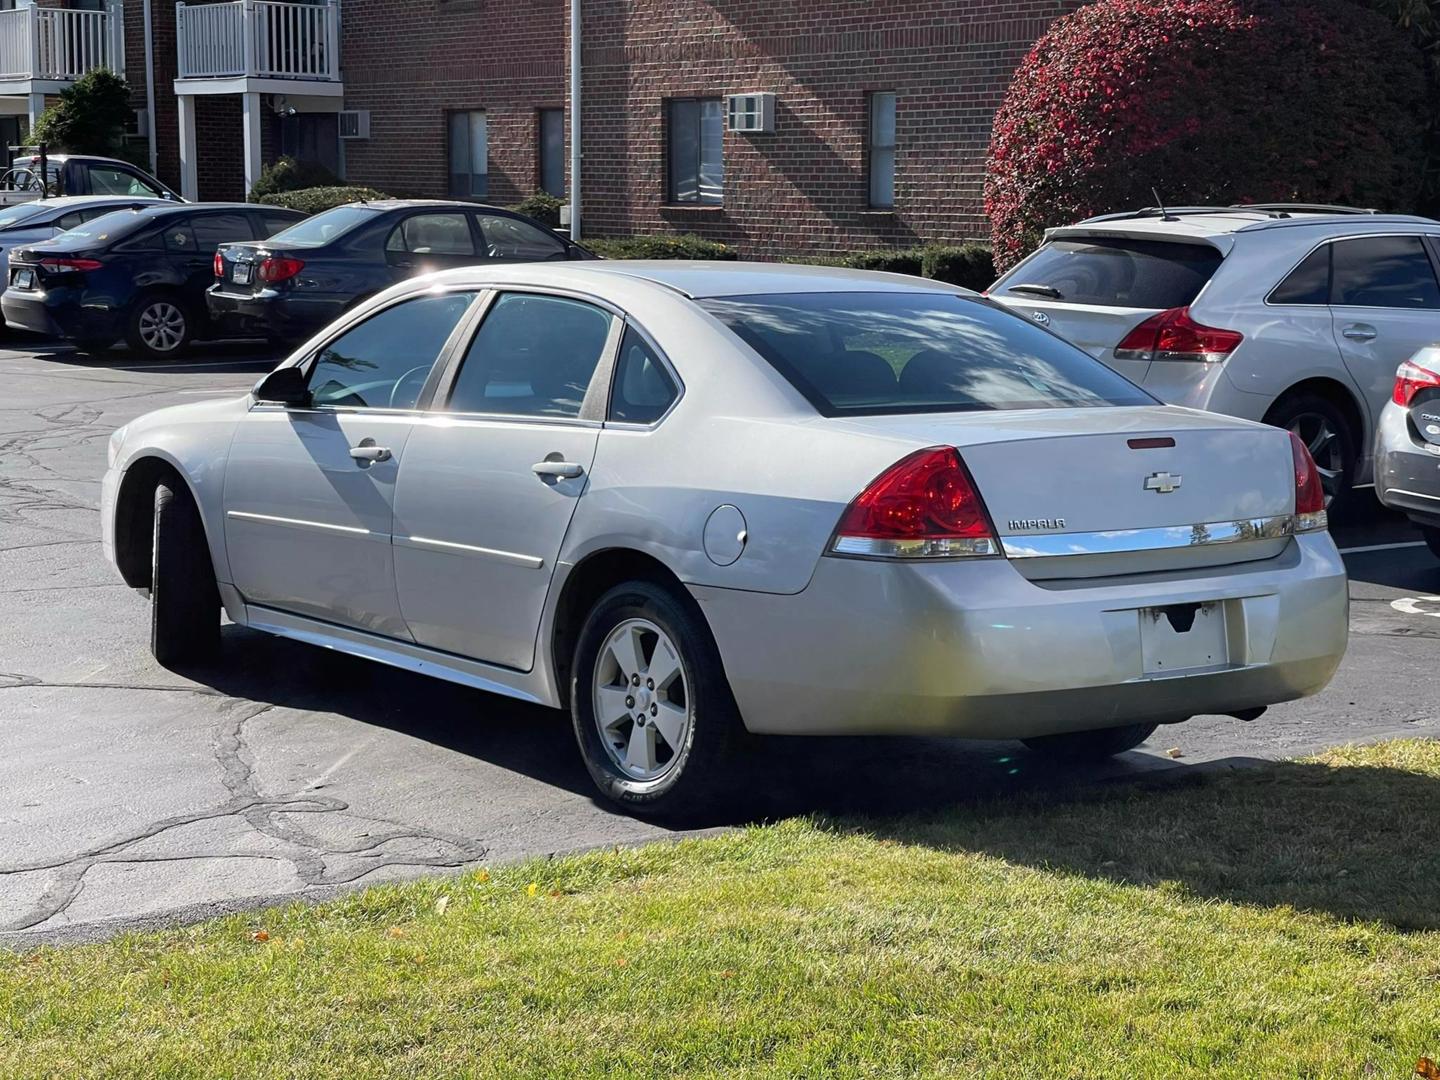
<point x="1209" y="102"/>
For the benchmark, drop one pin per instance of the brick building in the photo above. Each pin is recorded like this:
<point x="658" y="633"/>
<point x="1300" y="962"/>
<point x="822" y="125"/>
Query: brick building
<point x="874" y="117"/>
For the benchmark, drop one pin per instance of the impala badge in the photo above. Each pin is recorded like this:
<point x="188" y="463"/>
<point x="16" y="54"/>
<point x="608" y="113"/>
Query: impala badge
<point x="1162" y="483"/>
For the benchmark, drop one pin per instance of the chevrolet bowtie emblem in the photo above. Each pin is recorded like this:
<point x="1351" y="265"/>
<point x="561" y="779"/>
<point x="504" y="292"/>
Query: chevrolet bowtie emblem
<point x="1162" y="483"/>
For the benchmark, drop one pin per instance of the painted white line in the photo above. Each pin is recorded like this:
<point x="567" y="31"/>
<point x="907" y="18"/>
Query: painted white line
<point x="1381" y="547"/>
<point x="1410" y="605"/>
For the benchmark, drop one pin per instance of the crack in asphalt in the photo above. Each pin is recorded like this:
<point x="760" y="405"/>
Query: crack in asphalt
<point x="269" y="815"/>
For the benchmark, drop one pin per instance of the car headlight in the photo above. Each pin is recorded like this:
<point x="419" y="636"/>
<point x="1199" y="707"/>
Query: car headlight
<point x="116" y="442"/>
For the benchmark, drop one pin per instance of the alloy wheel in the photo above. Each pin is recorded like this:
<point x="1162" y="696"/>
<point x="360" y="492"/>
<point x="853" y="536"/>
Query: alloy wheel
<point x="642" y="700"/>
<point x="162" y="326"/>
<point x="1325" y="446"/>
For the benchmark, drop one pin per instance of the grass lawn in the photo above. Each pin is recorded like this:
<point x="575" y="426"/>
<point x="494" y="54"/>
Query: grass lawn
<point x="1283" y="921"/>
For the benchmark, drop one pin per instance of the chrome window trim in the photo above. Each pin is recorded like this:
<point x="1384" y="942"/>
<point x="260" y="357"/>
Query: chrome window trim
<point x="1126" y="541"/>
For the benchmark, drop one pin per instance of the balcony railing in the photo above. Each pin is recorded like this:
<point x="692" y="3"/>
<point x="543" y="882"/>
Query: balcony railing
<point x="59" y="44"/>
<point x="264" y="39"/>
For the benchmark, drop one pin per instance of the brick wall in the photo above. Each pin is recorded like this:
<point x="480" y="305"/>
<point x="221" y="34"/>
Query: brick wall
<point x="411" y="63"/>
<point x="804" y="187"/>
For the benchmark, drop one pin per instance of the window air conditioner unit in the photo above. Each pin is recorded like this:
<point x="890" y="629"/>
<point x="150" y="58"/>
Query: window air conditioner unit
<point x="750" y="113"/>
<point x="354" y="123"/>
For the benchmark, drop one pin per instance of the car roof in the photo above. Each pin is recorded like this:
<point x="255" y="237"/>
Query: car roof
<point x="60" y="157"/>
<point x="405" y="204"/>
<point x="701" y="279"/>
<point x="1208" y="222"/>
<point x="65" y="202"/>
<point x="168" y="209"/>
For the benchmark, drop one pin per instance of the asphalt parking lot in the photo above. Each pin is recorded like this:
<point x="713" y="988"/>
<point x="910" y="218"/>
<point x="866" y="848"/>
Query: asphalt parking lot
<point x="130" y="795"/>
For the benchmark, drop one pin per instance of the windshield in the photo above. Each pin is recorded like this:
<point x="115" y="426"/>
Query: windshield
<point x="14" y="215"/>
<point x="1114" y="272"/>
<point x="868" y="353"/>
<point x="324" y="227"/>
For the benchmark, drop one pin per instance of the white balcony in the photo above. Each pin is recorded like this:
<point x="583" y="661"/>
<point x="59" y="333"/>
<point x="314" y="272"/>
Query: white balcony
<point x="260" y="46"/>
<point x="43" y="50"/>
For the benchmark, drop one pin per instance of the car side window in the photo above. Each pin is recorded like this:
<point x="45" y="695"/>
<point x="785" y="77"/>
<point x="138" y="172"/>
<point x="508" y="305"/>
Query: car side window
<point x="533" y="355"/>
<point x="509" y="238"/>
<point x="108" y="180"/>
<point x="383" y="363"/>
<point x="179" y="237"/>
<point x="1384" y="271"/>
<point x="212" y="230"/>
<point x="432" y="234"/>
<point x="1308" y="283"/>
<point x="70" y="220"/>
<point x="642" y="389"/>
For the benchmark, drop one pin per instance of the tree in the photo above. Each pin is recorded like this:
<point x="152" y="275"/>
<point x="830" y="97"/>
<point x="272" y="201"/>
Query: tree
<point x="90" y="116"/>
<point x="1206" y="102"/>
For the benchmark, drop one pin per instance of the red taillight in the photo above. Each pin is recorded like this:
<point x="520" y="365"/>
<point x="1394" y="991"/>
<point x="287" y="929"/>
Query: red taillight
<point x="60" y="266"/>
<point x="275" y="268"/>
<point x="219" y="265"/>
<point x="923" y="506"/>
<point x="1410" y="379"/>
<point x="1174" y="335"/>
<point x="1309" y="491"/>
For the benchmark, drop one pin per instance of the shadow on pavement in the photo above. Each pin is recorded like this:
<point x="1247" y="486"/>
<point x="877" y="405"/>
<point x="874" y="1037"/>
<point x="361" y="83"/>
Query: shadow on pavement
<point x="1356" y="843"/>
<point x="236" y="356"/>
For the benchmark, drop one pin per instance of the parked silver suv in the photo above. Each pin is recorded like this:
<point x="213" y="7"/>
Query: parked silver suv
<point x="1294" y="315"/>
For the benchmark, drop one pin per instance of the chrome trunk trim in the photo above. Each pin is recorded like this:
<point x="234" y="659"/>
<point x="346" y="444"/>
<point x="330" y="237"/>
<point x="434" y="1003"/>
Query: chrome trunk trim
<point x="1120" y="541"/>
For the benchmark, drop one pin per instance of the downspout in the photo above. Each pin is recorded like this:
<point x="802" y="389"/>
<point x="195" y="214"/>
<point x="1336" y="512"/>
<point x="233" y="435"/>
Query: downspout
<point x="574" y="119"/>
<point x="150" y="92"/>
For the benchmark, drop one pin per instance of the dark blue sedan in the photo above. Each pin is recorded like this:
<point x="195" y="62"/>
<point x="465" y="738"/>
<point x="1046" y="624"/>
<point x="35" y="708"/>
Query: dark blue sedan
<point x="299" y="280"/>
<point x="137" y="274"/>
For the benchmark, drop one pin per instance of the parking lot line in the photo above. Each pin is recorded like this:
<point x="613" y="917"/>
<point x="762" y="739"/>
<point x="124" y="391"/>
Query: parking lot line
<point x="1381" y="547"/>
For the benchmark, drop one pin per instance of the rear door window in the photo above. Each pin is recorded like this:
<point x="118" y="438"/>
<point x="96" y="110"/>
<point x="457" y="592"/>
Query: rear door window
<point x="1115" y="272"/>
<point x="212" y="230"/>
<point x="433" y="234"/>
<point x="1384" y="271"/>
<point x="507" y="238"/>
<point x="913" y="352"/>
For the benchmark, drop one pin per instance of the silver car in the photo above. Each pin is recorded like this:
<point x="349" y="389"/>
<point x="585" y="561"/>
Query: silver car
<point x="690" y="501"/>
<point x="1407" y="447"/>
<point x="1294" y="315"/>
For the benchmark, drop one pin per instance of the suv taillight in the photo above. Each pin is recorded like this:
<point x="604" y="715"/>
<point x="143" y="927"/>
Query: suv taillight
<point x="1410" y="379"/>
<point x="1174" y="335"/>
<point x="275" y="268"/>
<point x="1309" y="491"/>
<point x="925" y="506"/>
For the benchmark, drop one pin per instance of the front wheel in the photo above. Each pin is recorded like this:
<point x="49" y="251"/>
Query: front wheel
<point x="1091" y="745"/>
<point x="184" y="600"/>
<point x="160" y="327"/>
<point x="653" y="714"/>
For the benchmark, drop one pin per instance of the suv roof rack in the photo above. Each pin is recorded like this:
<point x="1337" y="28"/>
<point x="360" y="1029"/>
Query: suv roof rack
<point x="1283" y="209"/>
<point x="1272" y="210"/>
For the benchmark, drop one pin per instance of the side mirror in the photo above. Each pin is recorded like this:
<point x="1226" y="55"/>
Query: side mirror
<point x="283" y="386"/>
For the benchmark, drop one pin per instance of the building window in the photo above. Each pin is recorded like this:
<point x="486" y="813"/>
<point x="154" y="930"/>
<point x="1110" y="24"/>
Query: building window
<point x="697" y="135"/>
<point x="552" y="152"/>
<point x="469" y="168"/>
<point x="882" y="150"/>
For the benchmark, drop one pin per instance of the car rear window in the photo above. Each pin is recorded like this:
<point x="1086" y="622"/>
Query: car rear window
<point x="108" y="227"/>
<point x="903" y="352"/>
<point x="325" y="226"/>
<point x="1115" y="272"/>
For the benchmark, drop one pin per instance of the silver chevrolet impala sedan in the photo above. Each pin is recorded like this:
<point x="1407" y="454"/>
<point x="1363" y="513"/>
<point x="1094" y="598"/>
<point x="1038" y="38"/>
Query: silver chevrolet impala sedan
<point x="692" y="503"/>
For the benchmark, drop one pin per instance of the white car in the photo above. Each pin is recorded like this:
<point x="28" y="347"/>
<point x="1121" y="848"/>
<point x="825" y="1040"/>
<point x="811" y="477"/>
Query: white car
<point x="1294" y="315"/>
<point x="687" y="501"/>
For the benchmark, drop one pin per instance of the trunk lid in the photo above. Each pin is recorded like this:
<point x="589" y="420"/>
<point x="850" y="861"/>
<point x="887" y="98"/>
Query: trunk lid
<point x="1093" y="492"/>
<point x="239" y="263"/>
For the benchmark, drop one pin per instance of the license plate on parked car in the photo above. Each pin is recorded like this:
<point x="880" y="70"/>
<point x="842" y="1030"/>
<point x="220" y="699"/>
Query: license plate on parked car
<point x="241" y="274"/>
<point x="24" y="279"/>
<point x="1182" y="637"/>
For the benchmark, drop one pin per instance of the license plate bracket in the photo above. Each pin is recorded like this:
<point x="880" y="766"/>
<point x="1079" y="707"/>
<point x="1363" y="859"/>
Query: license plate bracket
<point x="241" y="274"/>
<point x="1183" y="637"/>
<point x="25" y="279"/>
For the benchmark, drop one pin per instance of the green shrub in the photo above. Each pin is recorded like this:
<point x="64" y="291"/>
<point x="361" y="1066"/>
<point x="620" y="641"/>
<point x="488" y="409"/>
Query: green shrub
<point x="313" y="200"/>
<point x="287" y="174"/>
<point x="542" y="206"/>
<point x="684" y="246"/>
<point x="971" y="266"/>
<point x="894" y="261"/>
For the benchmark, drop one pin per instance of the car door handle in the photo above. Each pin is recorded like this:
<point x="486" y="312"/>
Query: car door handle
<point x="1359" y="332"/>
<point x="557" y="470"/>
<point x="370" y="452"/>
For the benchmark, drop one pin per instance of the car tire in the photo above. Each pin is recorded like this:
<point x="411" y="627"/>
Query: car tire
<point x="673" y="764"/>
<point x="1431" y="536"/>
<point x="160" y="326"/>
<point x="1323" y="427"/>
<point x="184" y="600"/>
<point x="1091" y="745"/>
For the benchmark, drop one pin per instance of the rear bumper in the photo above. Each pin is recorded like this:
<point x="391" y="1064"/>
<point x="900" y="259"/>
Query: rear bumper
<point x="974" y="649"/>
<point x="1407" y="476"/>
<point x="61" y="313"/>
<point x="275" y="315"/>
